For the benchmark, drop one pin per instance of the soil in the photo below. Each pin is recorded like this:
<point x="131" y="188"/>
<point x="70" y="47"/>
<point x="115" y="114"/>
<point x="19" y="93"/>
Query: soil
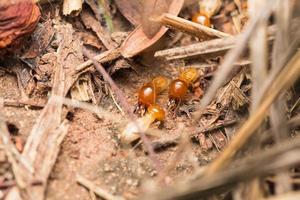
<point x="91" y="147"/>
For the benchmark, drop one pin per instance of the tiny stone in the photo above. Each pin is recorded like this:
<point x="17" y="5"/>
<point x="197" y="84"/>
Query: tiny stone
<point x="113" y="190"/>
<point x="153" y="173"/>
<point x="107" y="168"/>
<point x="2" y="156"/>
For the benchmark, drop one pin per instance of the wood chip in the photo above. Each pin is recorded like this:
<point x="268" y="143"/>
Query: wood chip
<point x="72" y="7"/>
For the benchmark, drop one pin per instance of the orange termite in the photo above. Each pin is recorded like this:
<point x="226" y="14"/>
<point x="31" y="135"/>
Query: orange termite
<point x="208" y="8"/>
<point x="178" y="88"/>
<point x="132" y="130"/>
<point x="202" y="19"/>
<point x="147" y="94"/>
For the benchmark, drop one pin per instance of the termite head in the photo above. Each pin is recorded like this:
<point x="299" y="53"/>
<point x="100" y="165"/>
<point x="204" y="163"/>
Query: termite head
<point x="160" y="83"/>
<point x="156" y="112"/>
<point x="189" y="75"/>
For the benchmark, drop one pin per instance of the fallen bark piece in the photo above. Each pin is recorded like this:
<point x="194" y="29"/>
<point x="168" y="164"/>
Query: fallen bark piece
<point x="17" y="18"/>
<point x="72" y="7"/>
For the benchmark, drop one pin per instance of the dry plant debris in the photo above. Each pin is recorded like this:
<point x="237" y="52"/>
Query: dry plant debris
<point x="217" y="99"/>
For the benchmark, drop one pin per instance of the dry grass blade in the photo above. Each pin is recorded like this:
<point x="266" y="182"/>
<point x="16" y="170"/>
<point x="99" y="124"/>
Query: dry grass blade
<point x="233" y="55"/>
<point x="265" y="163"/>
<point x="259" y="57"/>
<point x="278" y="118"/>
<point x="101" y="113"/>
<point x="190" y="27"/>
<point x="284" y="80"/>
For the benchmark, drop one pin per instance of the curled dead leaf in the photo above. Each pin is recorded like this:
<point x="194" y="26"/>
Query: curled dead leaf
<point x="138" y="40"/>
<point x="17" y="18"/>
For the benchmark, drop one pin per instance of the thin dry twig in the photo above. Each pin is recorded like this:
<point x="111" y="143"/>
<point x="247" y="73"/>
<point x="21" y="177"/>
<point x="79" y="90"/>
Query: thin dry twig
<point x="209" y="48"/>
<point x="206" y="48"/>
<point x="101" y="113"/>
<point x="96" y="189"/>
<point x="21" y="103"/>
<point x="190" y="27"/>
<point x="103" y="57"/>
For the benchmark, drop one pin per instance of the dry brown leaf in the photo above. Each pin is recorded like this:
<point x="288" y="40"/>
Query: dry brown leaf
<point x="131" y="10"/>
<point x="137" y="41"/>
<point x="17" y="18"/>
<point x="151" y="10"/>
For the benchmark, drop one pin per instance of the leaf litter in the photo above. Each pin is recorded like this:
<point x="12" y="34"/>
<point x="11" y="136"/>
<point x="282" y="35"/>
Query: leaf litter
<point x="68" y="90"/>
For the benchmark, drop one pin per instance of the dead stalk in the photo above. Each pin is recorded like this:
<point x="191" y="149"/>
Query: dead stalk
<point x="190" y="27"/>
<point x="234" y="54"/>
<point x="284" y="80"/>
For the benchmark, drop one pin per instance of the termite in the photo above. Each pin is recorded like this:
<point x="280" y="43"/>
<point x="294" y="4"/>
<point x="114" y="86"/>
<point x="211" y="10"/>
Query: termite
<point x="147" y="94"/>
<point x="132" y="131"/>
<point x="178" y="88"/>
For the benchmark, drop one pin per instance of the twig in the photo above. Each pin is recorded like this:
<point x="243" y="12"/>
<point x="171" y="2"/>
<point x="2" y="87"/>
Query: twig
<point x="206" y="48"/>
<point x="97" y="190"/>
<point x="116" y="103"/>
<point x="43" y="144"/>
<point x="190" y="27"/>
<point x="8" y="184"/>
<point x="216" y="126"/>
<point x="160" y="144"/>
<point x="101" y="113"/>
<point x="288" y="75"/>
<point x="112" y="84"/>
<point x="106" y="56"/>
<point x="21" y="103"/>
